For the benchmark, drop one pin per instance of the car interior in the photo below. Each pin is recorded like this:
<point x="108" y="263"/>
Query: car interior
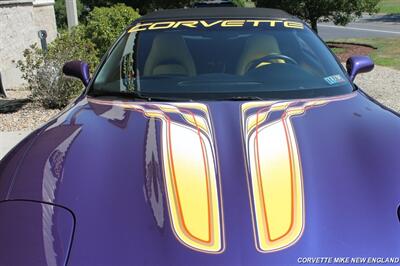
<point x="190" y="55"/>
<point x="169" y="55"/>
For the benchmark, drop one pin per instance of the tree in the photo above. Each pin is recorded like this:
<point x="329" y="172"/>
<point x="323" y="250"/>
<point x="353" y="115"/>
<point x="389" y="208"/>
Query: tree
<point x="61" y="12"/>
<point x="142" y="6"/>
<point x="341" y="12"/>
<point x="149" y="5"/>
<point x="240" y="3"/>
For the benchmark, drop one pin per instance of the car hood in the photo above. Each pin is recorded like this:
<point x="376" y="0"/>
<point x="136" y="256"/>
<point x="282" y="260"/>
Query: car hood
<point x="321" y="177"/>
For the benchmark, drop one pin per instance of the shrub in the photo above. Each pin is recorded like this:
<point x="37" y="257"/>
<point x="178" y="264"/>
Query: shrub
<point x="105" y="24"/>
<point x="43" y="71"/>
<point x="74" y="46"/>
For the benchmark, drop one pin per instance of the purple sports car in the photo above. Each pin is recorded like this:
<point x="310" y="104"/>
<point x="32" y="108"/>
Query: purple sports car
<point x="208" y="136"/>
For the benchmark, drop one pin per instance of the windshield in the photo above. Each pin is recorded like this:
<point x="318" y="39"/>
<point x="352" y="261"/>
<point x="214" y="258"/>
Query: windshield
<point x="219" y="59"/>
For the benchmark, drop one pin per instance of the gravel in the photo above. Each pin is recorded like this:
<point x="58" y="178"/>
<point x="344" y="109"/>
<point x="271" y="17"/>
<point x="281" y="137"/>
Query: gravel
<point x="383" y="84"/>
<point x="28" y="117"/>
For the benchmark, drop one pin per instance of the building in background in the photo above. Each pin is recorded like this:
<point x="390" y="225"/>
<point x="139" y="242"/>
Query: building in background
<point x="20" y="21"/>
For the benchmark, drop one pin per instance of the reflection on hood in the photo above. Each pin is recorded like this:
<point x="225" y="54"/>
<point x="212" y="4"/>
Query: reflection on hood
<point x="153" y="179"/>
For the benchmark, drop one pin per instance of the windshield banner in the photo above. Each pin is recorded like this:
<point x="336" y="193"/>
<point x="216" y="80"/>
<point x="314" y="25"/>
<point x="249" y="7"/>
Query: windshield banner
<point x="267" y="23"/>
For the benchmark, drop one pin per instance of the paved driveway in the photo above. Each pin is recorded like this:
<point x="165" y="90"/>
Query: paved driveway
<point x="9" y="140"/>
<point x="366" y="27"/>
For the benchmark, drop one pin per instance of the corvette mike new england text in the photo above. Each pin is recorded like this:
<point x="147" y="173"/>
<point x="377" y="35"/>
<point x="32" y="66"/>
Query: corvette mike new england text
<point x="348" y="260"/>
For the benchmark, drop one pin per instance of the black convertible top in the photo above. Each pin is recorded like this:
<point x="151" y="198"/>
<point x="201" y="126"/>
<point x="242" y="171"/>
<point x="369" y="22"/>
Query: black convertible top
<point x="216" y="12"/>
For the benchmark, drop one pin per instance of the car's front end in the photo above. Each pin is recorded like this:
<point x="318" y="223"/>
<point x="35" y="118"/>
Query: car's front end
<point x="223" y="140"/>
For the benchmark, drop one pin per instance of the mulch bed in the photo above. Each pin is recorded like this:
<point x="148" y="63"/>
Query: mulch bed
<point x="351" y="49"/>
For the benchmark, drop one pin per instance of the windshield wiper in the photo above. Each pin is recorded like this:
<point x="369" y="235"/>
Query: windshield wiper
<point x="137" y="95"/>
<point x="242" y="98"/>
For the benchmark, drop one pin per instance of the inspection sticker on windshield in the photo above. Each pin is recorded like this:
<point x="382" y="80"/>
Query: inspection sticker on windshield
<point x="335" y="79"/>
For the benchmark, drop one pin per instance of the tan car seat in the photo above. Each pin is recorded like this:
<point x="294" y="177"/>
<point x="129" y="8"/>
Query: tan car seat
<point x="169" y="55"/>
<point x="256" y="47"/>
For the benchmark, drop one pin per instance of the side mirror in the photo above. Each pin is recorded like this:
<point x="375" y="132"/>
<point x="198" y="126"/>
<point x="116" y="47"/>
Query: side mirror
<point x="77" y="69"/>
<point x="359" y="64"/>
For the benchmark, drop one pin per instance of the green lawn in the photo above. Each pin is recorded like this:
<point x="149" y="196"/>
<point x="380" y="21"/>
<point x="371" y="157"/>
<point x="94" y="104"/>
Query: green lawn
<point x="389" y="6"/>
<point x="387" y="54"/>
<point x="338" y="50"/>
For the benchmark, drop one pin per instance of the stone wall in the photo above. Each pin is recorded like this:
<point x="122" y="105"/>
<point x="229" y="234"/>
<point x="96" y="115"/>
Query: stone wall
<point x="20" y="22"/>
